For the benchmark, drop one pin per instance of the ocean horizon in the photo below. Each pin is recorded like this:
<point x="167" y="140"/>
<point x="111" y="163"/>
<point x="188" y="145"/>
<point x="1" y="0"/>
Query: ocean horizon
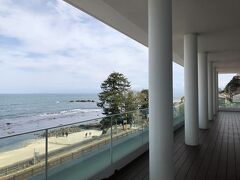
<point x="28" y="112"/>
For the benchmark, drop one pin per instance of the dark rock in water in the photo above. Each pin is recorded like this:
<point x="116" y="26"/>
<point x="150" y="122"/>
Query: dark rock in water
<point x="8" y="124"/>
<point x="82" y="100"/>
<point x="90" y="126"/>
<point x="61" y="132"/>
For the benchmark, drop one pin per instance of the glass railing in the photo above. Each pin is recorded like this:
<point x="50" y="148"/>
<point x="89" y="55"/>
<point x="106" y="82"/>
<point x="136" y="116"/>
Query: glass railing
<point x="22" y="156"/>
<point x="228" y="105"/>
<point x="178" y="114"/>
<point x="80" y="149"/>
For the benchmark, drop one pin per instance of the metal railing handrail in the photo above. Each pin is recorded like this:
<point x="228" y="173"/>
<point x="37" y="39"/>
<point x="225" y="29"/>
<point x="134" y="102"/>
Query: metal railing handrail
<point x="68" y="124"/>
<point x="50" y="156"/>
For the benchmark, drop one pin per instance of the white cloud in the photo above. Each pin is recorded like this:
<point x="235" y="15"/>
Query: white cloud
<point x="178" y="80"/>
<point x="50" y="46"/>
<point x="224" y="79"/>
<point x="59" y="46"/>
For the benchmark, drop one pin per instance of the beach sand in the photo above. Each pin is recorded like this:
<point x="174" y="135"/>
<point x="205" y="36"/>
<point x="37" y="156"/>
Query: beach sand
<point x="14" y="156"/>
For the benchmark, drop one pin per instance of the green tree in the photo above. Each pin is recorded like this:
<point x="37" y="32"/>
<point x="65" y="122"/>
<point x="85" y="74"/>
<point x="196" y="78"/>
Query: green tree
<point x="113" y="96"/>
<point x="143" y="99"/>
<point x="130" y="102"/>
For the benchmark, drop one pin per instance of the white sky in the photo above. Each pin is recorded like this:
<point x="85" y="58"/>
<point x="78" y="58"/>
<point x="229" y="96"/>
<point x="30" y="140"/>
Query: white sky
<point x="223" y="79"/>
<point x="48" y="46"/>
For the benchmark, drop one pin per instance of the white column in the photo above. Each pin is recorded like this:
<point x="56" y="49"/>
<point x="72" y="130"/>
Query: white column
<point x="191" y="89"/>
<point x="214" y="91"/>
<point x="203" y="90"/>
<point x="160" y="90"/>
<point x="210" y="91"/>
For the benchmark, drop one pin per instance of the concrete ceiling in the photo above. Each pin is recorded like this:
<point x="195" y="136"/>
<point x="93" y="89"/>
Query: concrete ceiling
<point x="216" y="21"/>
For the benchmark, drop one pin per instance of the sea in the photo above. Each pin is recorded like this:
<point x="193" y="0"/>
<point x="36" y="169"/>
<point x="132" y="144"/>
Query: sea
<point x="21" y="113"/>
<point x="28" y="112"/>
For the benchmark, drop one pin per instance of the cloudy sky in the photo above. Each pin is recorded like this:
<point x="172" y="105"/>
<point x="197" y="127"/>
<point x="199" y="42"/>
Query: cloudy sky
<point x="48" y="46"/>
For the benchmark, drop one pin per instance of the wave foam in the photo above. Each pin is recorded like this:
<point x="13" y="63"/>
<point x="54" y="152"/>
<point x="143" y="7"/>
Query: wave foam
<point x="70" y="112"/>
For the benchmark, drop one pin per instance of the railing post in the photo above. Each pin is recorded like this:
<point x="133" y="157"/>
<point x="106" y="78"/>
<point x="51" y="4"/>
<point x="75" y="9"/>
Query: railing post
<point x="142" y="127"/>
<point x="111" y="141"/>
<point x="116" y="128"/>
<point x="46" y="154"/>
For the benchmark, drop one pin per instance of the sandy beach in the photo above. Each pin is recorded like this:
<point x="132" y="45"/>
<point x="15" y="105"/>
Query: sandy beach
<point x="16" y="161"/>
<point x="11" y="157"/>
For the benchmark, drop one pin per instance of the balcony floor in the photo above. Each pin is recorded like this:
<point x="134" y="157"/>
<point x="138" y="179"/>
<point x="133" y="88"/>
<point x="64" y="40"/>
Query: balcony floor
<point x="217" y="156"/>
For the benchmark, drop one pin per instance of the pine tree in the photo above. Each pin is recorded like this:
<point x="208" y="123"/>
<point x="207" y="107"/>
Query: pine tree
<point x="114" y="90"/>
<point x="113" y="96"/>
